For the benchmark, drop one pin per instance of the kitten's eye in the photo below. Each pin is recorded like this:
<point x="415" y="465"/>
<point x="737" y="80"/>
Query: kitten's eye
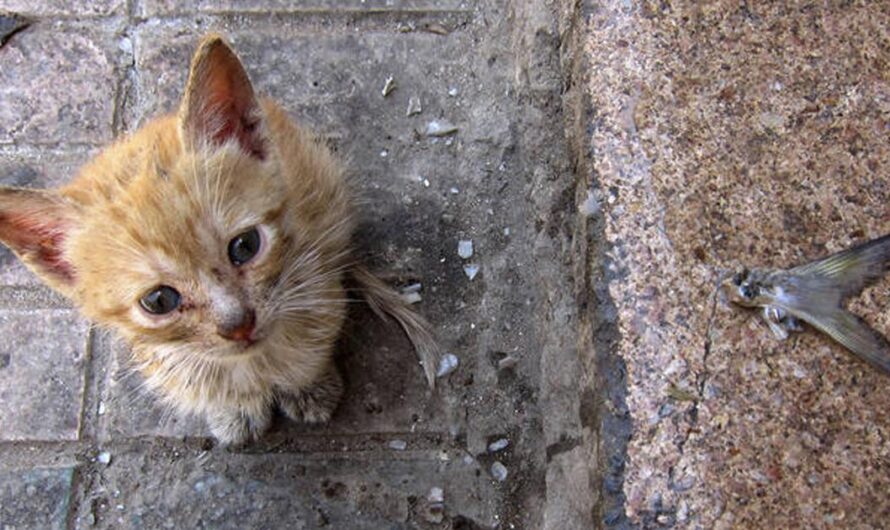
<point x="244" y="246"/>
<point x="160" y="300"/>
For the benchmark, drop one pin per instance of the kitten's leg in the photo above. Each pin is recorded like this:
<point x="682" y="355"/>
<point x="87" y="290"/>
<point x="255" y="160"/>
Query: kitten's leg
<point x="315" y="403"/>
<point x="238" y="424"/>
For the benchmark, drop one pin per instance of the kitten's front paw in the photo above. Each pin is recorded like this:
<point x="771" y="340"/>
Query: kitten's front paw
<point x="237" y="427"/>
<point x="315" y="403"/>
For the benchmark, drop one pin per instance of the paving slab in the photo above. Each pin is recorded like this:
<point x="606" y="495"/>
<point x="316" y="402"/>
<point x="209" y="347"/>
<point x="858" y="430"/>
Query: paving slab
<point x="35" y="498"/>
<point x="41" y="374"/>
<point x="720" y="135"/>
<point x="160" y="487"/>
<point x="58" y="83"/>
<point x="64" y="7"/>
<point x="168" y="7"/>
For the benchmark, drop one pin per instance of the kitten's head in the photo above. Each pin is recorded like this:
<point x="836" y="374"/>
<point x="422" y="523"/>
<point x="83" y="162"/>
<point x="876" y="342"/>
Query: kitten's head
<point x="207" y="230"/>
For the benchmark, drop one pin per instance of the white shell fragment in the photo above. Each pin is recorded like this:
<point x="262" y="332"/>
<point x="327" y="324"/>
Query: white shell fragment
<point x="471" y="270"/>
<point x="414" y="106"/>
<point x="411" y="293"/>
<point x="440" y="128"/>
<point x="465" y="248"/>
<point x="388" y="86"/>
<point x="412" y="298"/>
<point x="499" y="471"/>
<point x="398" y="445"/>
<point x="508" y="363"/>
<point x="436" y="495"/>
<point x="498" y="445"/>
<point x="447" y="364"/>
<point x="104" y="458"/>
<point x="412" y="288"/>
<point x="590" y="206"/>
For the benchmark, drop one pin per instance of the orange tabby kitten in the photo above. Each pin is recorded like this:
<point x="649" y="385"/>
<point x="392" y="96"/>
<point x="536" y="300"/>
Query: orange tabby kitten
<point x="217" y="242"/>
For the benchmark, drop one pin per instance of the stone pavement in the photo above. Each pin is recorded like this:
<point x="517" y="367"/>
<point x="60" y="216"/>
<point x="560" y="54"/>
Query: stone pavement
<point x="82" y="446"/>
<point x="612" y="160"/>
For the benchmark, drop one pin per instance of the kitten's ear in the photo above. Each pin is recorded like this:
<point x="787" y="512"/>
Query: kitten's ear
<point x="219" y="104"/>
<point x="34" y="224"/>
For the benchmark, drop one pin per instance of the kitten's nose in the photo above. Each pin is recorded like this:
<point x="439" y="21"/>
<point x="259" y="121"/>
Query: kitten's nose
<point x="239" y="328"/>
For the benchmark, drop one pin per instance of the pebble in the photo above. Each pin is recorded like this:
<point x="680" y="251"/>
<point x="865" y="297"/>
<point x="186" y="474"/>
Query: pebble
<point x="388" y="86"/>
<point x="435" y="510"/>
<point x="412" y="298"/>
<point x="498" y="445"/>
<point x="471" y="270"/>
<point x="507" y="363"/>
<point x="447" y="364"/>
<point x="414" y="106"/>
<point x="454" y="191"/>
<point x="398" y="445"/>
<point x="465" y="248"/>
<point x="590" y="206"/>
<point x="499" y="471"/>
<point x="436" y="494"/>
<point x="104" y="458"/>
<point x="440" y="128"/>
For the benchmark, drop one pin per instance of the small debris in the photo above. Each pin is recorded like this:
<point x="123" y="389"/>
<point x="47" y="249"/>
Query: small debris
<point x="435" y="509"/>
<point x="125" y="45"/>
<point x="104" y="458"/>
<point x="465" y="248"/>
<point x="507" y="363"/>
<point x="498" y="445"/>
<point x="591" y="205"/>
<point x="101" y="409"/>
<point x="411" y="293"/>
<point x="412" y="288"/>
<point x="437" y="128"/>
<point x="398" y="445"/>
<point x="412" y="298"/>
<point x="499" y="471"/>
<point x="507" y="231"/>
<point x="384" y="153"/>
<point x="454" y="191"/>
<point x="414" y="106"/>
<point x="438" y="29"/>
<point x="426" y="183"/>
<point x="453" y="91"/>
<point x="471" y="270"/>
<point x="436" y="495"/>
<point x="447" y="364"/>
<point x="388" y="86"/>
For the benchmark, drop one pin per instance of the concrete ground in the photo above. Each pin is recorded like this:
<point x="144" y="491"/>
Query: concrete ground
<point x="612" y="160"/>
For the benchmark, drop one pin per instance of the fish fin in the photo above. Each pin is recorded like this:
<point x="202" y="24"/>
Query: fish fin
<point x="854" y="334"/>
<point x="852" y="269"/>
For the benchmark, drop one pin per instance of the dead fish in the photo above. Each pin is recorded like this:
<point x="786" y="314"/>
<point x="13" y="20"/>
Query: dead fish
<point x="815" y="293"/>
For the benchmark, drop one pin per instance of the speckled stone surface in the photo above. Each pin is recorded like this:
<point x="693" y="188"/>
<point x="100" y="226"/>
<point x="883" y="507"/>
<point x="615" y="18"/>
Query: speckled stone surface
<point x="741" y="133"/>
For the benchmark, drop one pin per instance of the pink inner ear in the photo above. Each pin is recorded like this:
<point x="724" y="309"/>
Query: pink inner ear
<point x="38" y="239"/>
<point x="221" y="102"/>
<point x="237" y="124"/>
